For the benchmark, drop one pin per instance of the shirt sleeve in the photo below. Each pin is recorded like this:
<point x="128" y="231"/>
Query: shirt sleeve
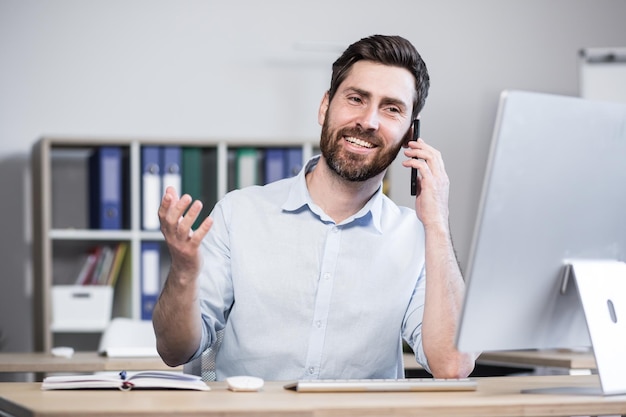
<point x="412" y="326"/>
<point x="215" y="284"/>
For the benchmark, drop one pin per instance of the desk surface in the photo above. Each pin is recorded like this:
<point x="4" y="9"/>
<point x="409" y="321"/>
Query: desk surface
<point x="557" y="358"/>
<point x="549" y="358"/>
<point x="496" y="396"/>
<point x="79" y="362"/>
<point x="92" y="362"/>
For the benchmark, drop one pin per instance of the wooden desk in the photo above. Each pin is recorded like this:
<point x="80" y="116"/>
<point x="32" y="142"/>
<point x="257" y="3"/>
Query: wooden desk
<point x="92" y="362"/>
<point x="553" y="358"/>
<point x="497" y="396"/>
<point x="39" y="362"/>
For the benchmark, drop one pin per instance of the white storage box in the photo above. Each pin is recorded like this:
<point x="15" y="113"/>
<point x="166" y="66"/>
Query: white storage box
<point x="81" y="308"/>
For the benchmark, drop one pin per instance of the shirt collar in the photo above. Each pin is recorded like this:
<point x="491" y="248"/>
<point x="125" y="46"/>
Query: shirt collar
<point x="299" y="197"/>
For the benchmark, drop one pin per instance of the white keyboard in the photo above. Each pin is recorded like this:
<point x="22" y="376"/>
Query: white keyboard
<point x="363" y="385"/>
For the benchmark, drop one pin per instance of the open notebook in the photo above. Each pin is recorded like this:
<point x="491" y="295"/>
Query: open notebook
<point x="126" y="381"/>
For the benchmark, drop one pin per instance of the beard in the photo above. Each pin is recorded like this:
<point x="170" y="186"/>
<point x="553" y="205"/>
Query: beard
<point x="351" y="166"/>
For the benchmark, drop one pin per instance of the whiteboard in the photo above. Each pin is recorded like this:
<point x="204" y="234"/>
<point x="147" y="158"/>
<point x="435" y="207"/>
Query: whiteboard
<point x="603" y="74"/>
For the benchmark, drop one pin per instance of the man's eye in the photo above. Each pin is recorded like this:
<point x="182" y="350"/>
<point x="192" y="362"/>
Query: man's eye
<point x="355" y="99"/>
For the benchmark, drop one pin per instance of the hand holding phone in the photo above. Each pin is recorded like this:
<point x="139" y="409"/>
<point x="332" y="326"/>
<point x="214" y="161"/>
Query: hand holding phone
<point x="415" y="186"/>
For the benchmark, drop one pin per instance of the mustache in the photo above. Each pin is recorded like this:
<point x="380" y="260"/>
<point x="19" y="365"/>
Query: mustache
<point x="359" y="133"/>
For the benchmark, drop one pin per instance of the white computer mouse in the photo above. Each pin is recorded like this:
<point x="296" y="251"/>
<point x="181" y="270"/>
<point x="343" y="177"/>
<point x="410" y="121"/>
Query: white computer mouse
<point x="244" y="383"/>
<point x="62" y="351"/>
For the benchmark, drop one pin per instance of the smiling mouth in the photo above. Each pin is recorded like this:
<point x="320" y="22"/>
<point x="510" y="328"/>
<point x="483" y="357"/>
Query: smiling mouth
<point x="359" y="142"/>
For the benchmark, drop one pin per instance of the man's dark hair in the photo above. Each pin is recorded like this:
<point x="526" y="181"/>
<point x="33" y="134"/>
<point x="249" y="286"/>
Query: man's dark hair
<point x="387" y="50"/>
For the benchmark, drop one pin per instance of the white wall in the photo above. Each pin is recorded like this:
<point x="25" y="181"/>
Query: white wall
<point x="192" y="68"/>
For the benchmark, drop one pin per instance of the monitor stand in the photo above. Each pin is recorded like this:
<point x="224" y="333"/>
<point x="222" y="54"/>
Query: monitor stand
<point x="602" y="290"/>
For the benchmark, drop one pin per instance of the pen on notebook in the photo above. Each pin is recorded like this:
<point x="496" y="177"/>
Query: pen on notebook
<point x="416" y="136"/>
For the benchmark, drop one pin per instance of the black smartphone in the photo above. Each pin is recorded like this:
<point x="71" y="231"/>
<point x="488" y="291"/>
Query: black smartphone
<point x="415" y="186"/>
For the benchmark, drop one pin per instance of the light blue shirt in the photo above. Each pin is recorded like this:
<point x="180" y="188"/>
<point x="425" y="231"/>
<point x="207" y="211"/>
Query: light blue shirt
<point x="301" y="297"/>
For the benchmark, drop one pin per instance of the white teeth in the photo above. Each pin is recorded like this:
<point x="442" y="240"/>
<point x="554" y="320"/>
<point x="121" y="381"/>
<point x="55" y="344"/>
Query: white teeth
<point x="359" y="142"/>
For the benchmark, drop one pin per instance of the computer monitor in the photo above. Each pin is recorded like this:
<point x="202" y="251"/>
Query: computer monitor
<point x="554" y="191"/>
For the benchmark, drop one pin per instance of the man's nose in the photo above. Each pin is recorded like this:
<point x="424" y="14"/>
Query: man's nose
<point x="369" y="119"/>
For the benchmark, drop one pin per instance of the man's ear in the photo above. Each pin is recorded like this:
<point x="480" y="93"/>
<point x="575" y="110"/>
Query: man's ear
<point x="321" y="113"/>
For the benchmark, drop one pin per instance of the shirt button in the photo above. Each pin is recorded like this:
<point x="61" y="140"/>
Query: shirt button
<point x="335" y="229"/>
<point x="318" y="324"/>
<point x="327" y="276"/>
<point x="311" y="370"/>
